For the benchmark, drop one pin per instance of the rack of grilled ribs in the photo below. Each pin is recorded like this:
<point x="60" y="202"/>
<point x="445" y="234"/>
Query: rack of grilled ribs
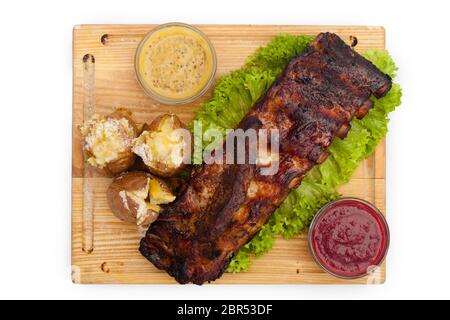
<point x="224" y="205"/>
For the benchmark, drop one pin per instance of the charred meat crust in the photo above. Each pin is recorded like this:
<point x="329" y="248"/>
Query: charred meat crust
<point x="223" y="205"/>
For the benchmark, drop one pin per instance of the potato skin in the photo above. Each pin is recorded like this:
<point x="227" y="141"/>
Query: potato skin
<point x="155" y="125"/>
<point x="126" y="158"/>
<point x="126" y="207"/>
<point x="161" y="168"/>
<point x="129" y="181"/>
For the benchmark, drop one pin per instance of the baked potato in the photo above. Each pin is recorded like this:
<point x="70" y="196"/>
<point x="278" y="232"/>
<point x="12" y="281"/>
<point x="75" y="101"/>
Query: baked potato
<point x="163" y="148"/>
<point x="108" y="140"/>
<point x="135" y="197"/>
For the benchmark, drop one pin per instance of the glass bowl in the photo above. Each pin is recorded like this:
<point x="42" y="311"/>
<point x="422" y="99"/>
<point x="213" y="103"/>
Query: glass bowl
<point x="209" y="74"/>
<point x="370" y="209"/>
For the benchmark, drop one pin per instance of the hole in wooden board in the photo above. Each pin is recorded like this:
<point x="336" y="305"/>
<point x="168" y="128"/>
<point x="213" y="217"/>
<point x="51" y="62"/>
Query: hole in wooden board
<point x="104" y="267"/>
<point x="353" y="41"/>
<point x="87" y="247"/>
<point x="104" y="39"/>
<point x="88" y="58"/>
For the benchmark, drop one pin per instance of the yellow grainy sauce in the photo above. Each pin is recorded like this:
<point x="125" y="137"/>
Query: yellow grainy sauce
<point x="175" y="62"/>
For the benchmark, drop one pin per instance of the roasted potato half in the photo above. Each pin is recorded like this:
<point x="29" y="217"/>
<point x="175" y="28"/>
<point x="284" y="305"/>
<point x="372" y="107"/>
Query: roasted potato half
<point x="135" y="197"/>
<point x="164" y="149"/>
<point x="108" y="140"/>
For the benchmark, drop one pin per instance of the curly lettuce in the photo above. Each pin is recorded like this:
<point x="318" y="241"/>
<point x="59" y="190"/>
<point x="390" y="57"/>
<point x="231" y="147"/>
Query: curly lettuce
<point x="236" y="93"/>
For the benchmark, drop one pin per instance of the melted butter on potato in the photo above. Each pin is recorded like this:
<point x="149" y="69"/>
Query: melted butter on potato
<point x="158" y="194"/>
<point x="162" y="147"/>
<point x="108" y="140"/>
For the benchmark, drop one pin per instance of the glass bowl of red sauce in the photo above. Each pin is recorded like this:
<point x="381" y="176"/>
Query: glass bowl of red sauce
<point x="349" y="238"/>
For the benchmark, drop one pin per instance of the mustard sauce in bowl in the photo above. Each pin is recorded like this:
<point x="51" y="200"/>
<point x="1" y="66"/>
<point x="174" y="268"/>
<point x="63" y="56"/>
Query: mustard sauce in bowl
<point x="175" y="63"/>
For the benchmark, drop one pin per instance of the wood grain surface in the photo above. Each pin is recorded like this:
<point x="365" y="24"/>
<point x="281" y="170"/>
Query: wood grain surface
<point x="104" y="249"/>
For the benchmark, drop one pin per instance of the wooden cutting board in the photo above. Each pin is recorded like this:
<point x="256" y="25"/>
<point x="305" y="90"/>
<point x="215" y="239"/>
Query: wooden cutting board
<point x="104" y="249"/>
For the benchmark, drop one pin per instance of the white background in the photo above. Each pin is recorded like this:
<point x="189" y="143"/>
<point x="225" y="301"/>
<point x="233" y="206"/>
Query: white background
<point x="35" y="131"/>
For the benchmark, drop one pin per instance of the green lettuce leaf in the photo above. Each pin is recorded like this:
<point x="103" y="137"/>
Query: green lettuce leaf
<point x="236" y="93"/>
